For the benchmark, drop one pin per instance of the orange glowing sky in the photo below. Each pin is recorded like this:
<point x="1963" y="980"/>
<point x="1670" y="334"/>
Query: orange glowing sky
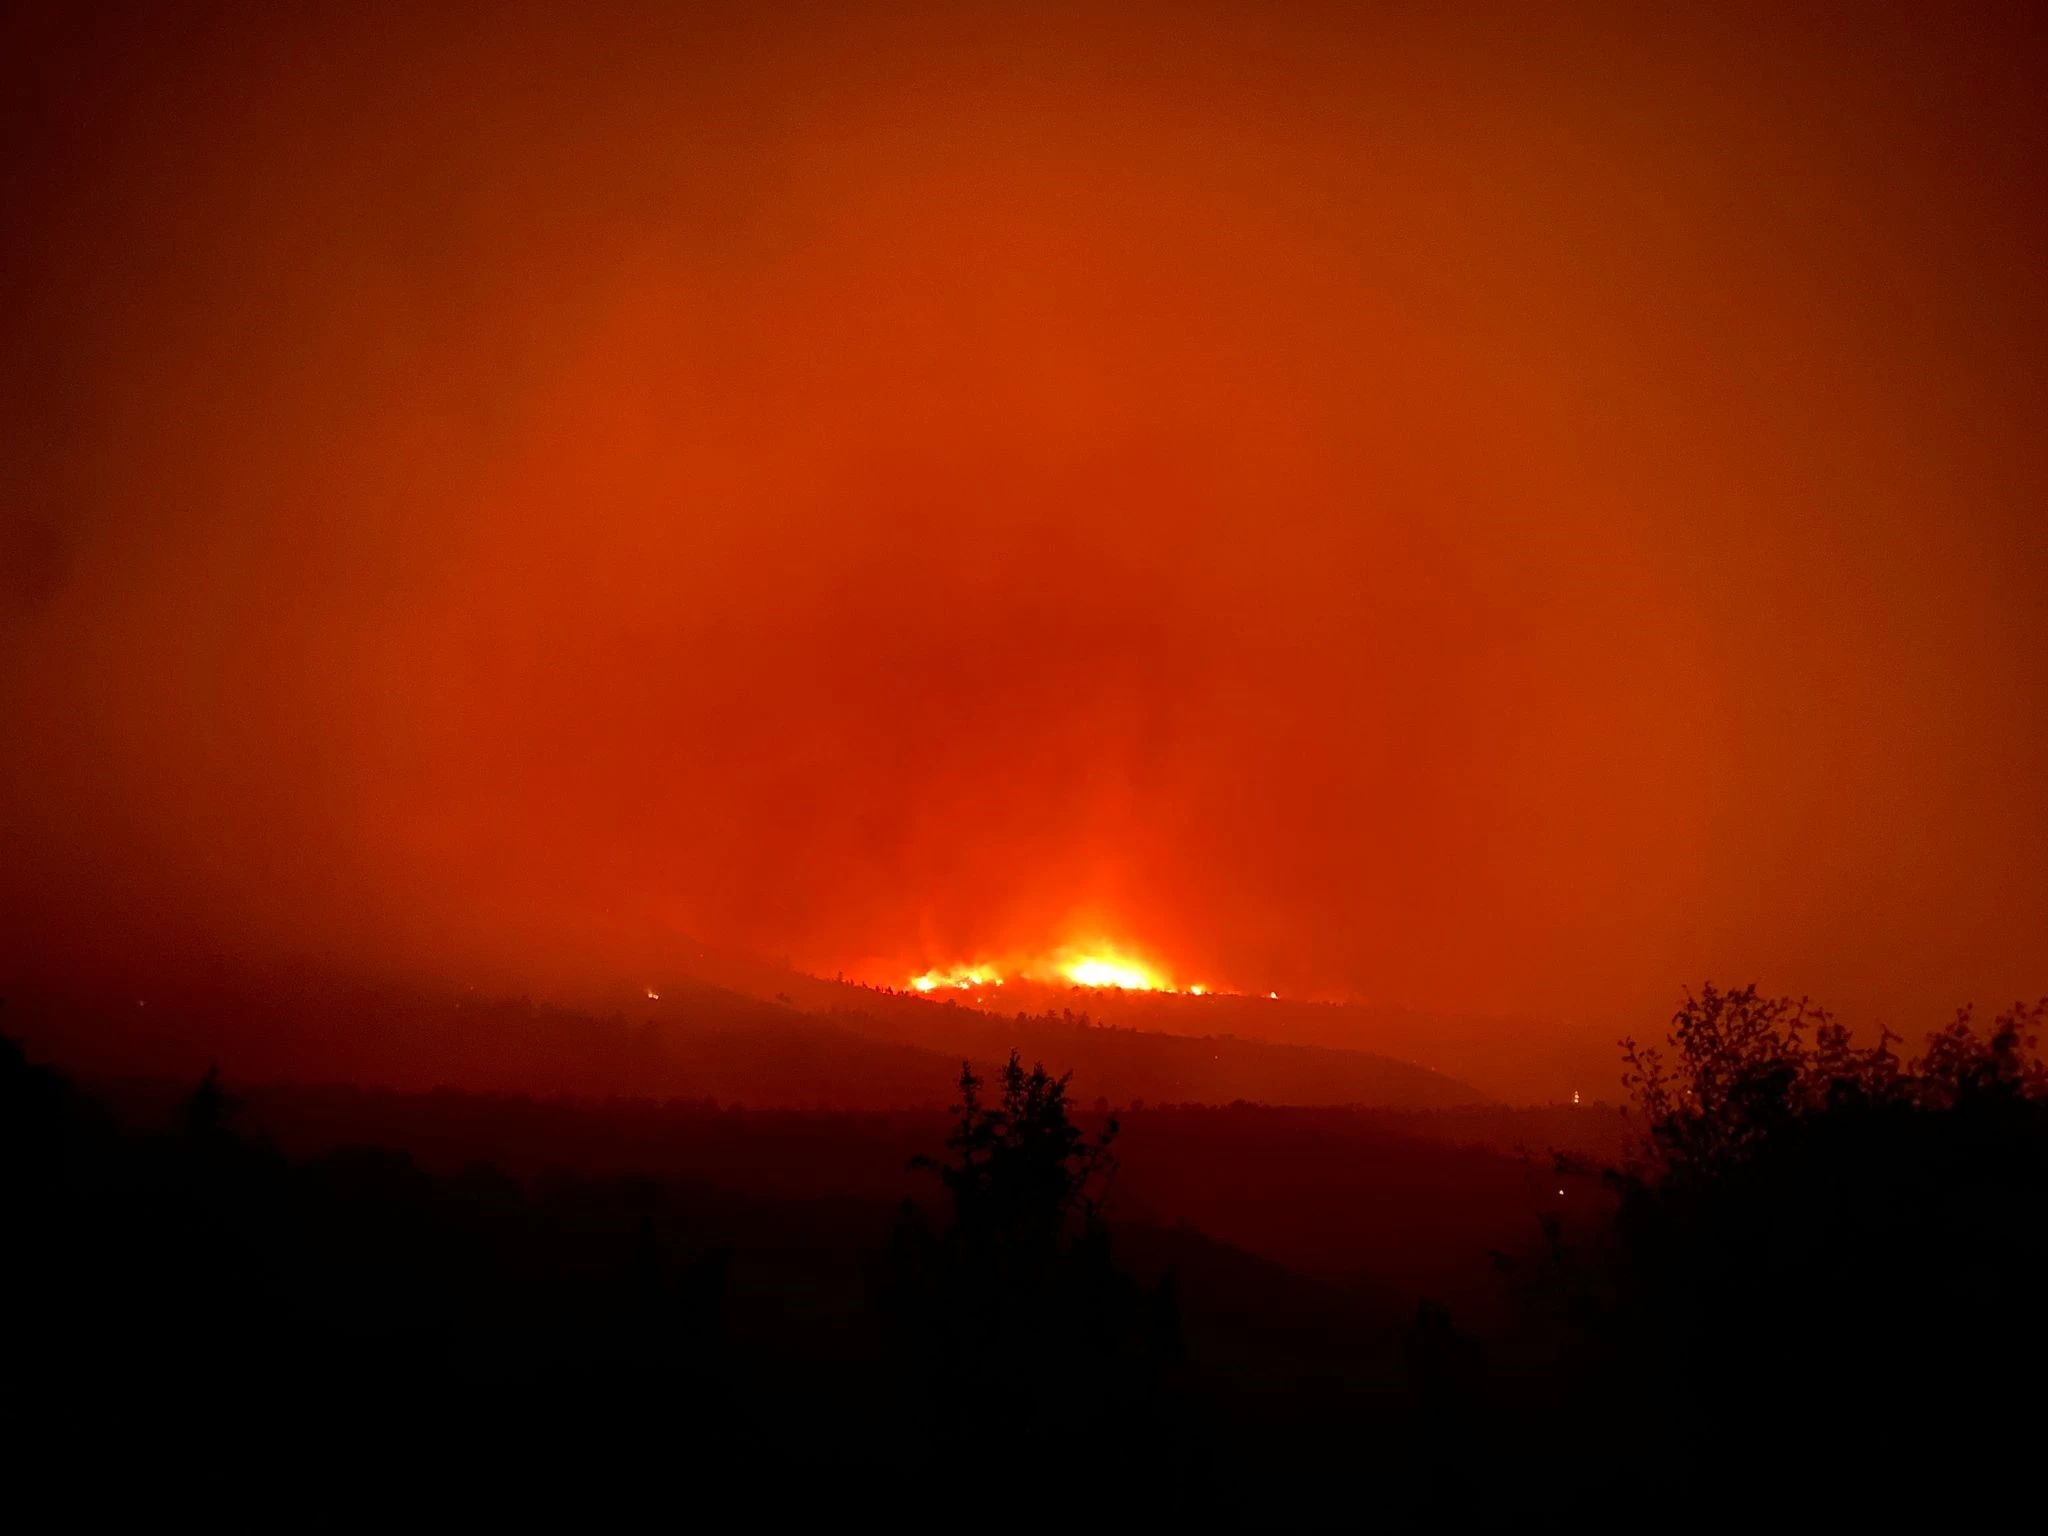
<point x="1505" y="509"/>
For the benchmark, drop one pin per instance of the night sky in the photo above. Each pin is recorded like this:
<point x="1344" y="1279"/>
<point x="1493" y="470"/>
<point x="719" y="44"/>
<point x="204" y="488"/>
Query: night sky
<point x="1509" y="512"/>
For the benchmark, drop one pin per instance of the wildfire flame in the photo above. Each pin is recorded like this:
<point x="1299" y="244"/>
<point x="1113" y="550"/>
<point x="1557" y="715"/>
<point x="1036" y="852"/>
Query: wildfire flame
<point x="1081" y="966"/>
<point x="965" y="980"/>
<point x="1109" y="971"/>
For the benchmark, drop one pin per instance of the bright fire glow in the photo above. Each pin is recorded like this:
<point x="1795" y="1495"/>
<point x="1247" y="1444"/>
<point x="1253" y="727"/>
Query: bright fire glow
<point x="1108" y="971"/>
<point x="1074" y="965"/>
<point x="966" y="979"/>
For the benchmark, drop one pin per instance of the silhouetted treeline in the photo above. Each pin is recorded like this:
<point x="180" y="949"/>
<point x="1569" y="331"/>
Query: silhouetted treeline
<point x="1426" y="1193"/>
<point x="1827" y="1264"/>
<point x="1814" y="1278"/>
<point x="189" y="1298"/>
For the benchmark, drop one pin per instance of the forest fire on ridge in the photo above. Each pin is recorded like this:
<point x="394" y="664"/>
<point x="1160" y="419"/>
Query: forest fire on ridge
<point x="1075" y="965"/>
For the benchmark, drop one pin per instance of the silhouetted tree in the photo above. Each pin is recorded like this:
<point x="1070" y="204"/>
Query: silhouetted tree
<point x="1020" y="1325"/>
<point x="1022" y="1177"/>
<point x="1821" y="1248"/>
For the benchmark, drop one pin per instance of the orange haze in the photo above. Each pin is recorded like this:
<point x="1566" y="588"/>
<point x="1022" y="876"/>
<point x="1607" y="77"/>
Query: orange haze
<point x="1501" y="512"/>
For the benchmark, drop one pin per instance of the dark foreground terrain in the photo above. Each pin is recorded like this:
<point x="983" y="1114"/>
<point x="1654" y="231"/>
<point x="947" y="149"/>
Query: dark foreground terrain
<point x="1818" y="1278"/>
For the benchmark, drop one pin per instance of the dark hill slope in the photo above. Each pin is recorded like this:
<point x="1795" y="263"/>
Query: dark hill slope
<point x="692" y="1042"/>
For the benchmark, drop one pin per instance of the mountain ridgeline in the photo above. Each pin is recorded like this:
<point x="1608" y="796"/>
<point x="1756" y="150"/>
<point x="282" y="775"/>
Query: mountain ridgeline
<point x="864" y="1050"/>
